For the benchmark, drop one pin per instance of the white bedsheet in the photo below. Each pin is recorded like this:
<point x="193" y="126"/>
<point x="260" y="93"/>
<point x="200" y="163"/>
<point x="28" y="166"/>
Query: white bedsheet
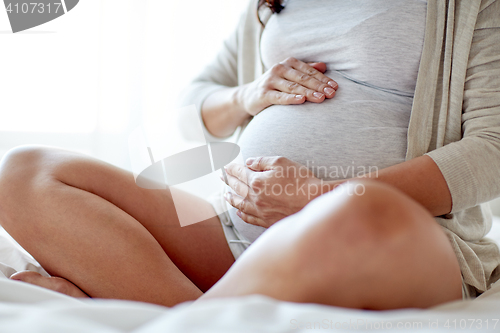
<point x="27" y="308"/>
<point x="58" y="313"/>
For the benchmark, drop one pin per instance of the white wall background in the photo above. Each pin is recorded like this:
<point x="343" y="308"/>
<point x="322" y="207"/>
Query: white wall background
<point x="86" y="80"/>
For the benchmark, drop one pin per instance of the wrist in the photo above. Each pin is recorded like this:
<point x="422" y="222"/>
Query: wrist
<point x="317" y="187"/>
<point x="221" y="113"/>
<point x="238" y="102"/>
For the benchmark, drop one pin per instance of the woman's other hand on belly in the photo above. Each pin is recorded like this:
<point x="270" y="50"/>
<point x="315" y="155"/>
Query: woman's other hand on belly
<point x="269" y="189"/>
<point x="289" y="82"/>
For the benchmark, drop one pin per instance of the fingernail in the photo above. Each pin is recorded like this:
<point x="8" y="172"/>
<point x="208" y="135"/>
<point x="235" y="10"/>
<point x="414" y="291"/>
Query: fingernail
<point x="250" y="161"/>
<point x="333" y="84"/>
<point x="226" y="196"/>
<point x="298" y="96"/>
<point x="329" y="91"/>
<point x="238" y="213"/>
<point x="318" y="94"/>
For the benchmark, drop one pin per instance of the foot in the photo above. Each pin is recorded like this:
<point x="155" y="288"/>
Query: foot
<point x="53" y="283"/>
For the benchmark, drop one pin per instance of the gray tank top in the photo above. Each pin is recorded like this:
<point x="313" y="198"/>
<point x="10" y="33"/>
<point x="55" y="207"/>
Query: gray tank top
<point x="372" y="49"/>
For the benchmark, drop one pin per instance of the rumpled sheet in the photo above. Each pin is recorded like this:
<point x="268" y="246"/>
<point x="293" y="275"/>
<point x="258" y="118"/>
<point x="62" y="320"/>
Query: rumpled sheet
<point x="28" y="308"/>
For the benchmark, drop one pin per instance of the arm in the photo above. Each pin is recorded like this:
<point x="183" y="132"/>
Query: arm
<point x="420" y="178"/>
<point x="224" y="108"/>
<point x="464" y="173"/>
<point x="471" y="165"/>
<point x="271" y="188"/>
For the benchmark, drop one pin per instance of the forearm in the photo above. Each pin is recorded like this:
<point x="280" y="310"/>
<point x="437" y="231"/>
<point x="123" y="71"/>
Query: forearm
<point x="420" y="178"/>
<point x="222" y="112"/>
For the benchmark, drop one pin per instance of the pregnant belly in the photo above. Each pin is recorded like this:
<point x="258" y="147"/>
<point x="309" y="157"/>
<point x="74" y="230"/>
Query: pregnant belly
<point x="335" y="140"/>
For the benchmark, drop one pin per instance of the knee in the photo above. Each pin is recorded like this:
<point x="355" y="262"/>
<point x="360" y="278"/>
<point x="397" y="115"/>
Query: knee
<point x="20" y="162"/>
<point x="23" y="154"/>
<point x="382" y="209"/>
<point x="20" y="169"/>
<point x="371" y="211"/>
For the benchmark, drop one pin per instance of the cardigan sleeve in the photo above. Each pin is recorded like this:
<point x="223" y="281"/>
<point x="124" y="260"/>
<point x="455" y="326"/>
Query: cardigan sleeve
<point x="220" y="73"/>
<point x="471" y="166"/>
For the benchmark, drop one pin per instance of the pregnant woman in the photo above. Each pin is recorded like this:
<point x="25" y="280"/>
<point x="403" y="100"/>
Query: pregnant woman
<point x="327" y="93"/>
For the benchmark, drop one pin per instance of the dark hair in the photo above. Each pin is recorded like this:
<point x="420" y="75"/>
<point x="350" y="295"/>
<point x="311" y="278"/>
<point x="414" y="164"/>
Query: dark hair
<point x="275" y="5"/>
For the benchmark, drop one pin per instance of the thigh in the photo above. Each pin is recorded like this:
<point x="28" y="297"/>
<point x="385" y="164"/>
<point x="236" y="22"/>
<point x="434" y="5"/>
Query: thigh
<point x="200" y="250"/>
<point x="381" y="250"/>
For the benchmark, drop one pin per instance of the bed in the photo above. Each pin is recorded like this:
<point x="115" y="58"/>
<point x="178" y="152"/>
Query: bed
<point x="27" y="308"/>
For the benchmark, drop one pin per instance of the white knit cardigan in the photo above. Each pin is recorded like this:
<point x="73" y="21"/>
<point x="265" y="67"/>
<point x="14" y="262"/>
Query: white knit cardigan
<point x="455" y="118"/>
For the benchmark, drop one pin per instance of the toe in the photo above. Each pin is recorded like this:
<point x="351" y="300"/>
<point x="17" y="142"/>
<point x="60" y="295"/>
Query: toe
<point x="34" y="278"/>
<point x="53" y="283"/>
<point x="26" y="276"/>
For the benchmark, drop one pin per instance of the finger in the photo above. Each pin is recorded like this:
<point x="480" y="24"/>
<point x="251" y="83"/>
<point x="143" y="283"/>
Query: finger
<point x="292" y="87"/>
<point x="316" y="71"/>
<point x="281" y="98"/>
<point x="237" y="186"/>
<point x="311" y="71"/>
<point x="319" y="88"/>
<point x="267" y="163"/>
<point x="239" y="171"/>
<point x="320" y="66"/>
<point x="240" y="203"/>
<point x="251" y="219"/>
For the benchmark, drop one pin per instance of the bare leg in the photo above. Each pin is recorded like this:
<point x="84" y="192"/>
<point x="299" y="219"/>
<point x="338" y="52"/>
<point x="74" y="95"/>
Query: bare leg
<point x="380" y="250"/>
<point x="87" y="221"/>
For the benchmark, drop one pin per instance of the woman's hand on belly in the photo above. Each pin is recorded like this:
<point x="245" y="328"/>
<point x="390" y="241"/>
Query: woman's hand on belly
<point x="269" y="189"/>
<point x="288" y="82"/>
